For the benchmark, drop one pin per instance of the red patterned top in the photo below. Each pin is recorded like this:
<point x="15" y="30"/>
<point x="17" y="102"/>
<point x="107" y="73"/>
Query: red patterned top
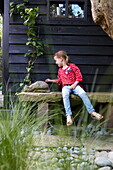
<point x="69" y="75"/>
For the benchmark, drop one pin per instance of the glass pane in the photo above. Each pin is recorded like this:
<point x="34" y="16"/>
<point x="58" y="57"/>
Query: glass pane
<point x="76" y="10"/>
<point x="57" y="9"/>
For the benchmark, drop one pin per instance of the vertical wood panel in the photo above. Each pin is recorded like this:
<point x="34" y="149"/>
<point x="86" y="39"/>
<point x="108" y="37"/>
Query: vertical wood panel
<point x="5" y="44"/>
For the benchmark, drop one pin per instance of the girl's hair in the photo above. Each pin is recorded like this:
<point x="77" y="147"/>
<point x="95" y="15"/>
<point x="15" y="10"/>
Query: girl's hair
<point x="63" y="54"/>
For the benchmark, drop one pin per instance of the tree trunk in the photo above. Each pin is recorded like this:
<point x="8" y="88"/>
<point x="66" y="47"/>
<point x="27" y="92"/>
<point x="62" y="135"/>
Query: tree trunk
<point x="102" y="13"/>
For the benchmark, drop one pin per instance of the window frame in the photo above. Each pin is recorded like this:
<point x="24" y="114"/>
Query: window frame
<point x="66" y="12"/>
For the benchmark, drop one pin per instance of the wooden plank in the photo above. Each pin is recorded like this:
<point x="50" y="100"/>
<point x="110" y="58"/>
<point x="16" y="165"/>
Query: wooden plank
<point x="17" y="29"/>
<point x="44" y="68"/>
<point x="87" y="79"/>
<point x="59" y="30"/>
<point x="42" y="19"/>
<point x="5" y="55"/>
<point x="65" y="39"/>
<point x="78" y="50"/>
<point x="36" y="2"/>
<point x="48" y="59"/>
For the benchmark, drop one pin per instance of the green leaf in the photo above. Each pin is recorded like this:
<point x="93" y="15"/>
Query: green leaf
<point x="28" y="69"/>
<point x="39" y="53"/>
<point x="40" y="42"/>
<point x="34" y="43"/>
<point x="21" y="84"/>
<point x="26" y="54"/>
<point x="26" y="1"/>
<point x="12" y="4"/>
<point x="46" y="45"/>
<point x="28" y="43"/>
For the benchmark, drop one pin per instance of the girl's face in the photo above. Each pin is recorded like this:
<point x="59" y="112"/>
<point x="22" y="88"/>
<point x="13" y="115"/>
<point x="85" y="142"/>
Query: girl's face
<point x="58" y="61"/>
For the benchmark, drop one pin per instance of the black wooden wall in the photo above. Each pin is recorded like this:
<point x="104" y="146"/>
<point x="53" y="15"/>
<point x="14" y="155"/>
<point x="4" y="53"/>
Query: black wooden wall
<point x="85" y="42"/>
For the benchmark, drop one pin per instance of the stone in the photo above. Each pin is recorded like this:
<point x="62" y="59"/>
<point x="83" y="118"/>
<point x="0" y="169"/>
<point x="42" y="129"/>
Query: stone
<point x="102" y="13"/>
<point x="103" y="161"/>
<point x="38" y="86"/>
<point x="92" y="167"/>
<point x="110" y="156"/>
<point x="100" y="154"/>
<point x="105" y="168"/>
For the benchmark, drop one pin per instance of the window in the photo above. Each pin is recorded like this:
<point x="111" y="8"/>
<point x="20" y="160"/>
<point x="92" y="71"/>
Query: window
<point x="57" y="9"/>
<point x="66" y="9"/>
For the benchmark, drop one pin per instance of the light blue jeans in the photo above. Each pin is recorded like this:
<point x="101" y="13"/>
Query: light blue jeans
<point x="66" y="91"/>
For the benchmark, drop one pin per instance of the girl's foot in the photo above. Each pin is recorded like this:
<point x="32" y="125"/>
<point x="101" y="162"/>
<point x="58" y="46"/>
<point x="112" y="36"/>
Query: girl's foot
<point x="96" y="116"/>
<point x="69" y="120"/>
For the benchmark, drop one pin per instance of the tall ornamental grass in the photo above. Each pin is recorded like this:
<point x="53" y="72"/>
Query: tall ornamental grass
<point x="17" y="127"/>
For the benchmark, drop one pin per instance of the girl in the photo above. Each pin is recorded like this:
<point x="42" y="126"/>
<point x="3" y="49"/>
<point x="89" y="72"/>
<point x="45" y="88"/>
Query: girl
<point x="69" y="76"/>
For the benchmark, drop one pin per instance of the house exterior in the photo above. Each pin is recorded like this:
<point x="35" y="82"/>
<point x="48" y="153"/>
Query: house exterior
<point x="64" y="25"/>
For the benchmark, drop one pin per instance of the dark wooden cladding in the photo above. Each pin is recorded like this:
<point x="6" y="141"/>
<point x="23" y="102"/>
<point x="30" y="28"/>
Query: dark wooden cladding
<point x="55" y="29"/>
<point x="44" y="68"/>
<point x="35" y="2"/>
<point x="65" y="39"/>
<point x="71" y="49"/>
<point x="89" y="79"/>
<point x="81" y="59"/>
<point x="86" y="43"/>
<point x="57" y="21"/>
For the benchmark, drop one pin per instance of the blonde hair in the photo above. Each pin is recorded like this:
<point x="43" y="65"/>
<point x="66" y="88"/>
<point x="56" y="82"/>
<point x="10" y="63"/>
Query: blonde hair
<point x="63" y="54"/>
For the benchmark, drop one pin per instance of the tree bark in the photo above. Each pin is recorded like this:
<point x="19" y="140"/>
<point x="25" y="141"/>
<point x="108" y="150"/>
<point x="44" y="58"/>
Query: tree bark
<point x="102" y="13"/>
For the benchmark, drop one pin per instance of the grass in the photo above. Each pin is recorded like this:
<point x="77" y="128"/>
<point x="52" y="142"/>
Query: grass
<point x="22" y="149"/>
<point x="17" y="128"/>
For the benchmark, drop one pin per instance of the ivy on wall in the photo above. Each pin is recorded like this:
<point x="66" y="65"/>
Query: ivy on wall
<point x="36" y="46"/>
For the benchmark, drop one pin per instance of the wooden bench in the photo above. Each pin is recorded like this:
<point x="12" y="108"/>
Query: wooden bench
<point x="42" y="100"/>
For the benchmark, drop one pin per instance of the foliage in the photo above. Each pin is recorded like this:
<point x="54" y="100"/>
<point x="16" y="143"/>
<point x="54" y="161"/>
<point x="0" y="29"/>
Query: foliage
<point x="29" y="16"/>
<point x="23" y="146"/>
<point x="17" y="127"/>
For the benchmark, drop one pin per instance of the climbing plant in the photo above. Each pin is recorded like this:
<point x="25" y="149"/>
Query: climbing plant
<point x="36" y="46"/>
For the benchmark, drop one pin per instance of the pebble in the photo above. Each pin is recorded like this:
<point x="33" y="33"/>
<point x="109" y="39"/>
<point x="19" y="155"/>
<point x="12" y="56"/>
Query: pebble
<point x="110" y="156"/>
<point x="103" y="161"/>
<point x="105" y="168"/>
<point x="101" y="154"/>
<point x="77" y="157"/>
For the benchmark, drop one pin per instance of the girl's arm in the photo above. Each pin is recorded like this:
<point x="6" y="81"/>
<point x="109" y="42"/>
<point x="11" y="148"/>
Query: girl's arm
<point x="50" y="80"/>
<point x="58" y="80"/>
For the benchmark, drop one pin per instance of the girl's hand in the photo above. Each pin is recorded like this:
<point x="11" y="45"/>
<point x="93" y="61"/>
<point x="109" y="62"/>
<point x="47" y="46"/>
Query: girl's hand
<point x="72" y="86"/>
<point x="48" y="80"/>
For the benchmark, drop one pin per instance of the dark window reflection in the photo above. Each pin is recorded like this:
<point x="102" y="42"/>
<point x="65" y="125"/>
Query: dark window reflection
<point x="57" y="10"/>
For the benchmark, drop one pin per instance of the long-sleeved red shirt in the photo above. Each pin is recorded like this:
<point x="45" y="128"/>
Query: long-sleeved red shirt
<point x="69" y="75"/>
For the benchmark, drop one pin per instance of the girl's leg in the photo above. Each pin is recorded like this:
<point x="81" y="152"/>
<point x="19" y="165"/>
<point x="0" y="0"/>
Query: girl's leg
<point x="83" y="95"/>
<point x="66" y="99"/>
